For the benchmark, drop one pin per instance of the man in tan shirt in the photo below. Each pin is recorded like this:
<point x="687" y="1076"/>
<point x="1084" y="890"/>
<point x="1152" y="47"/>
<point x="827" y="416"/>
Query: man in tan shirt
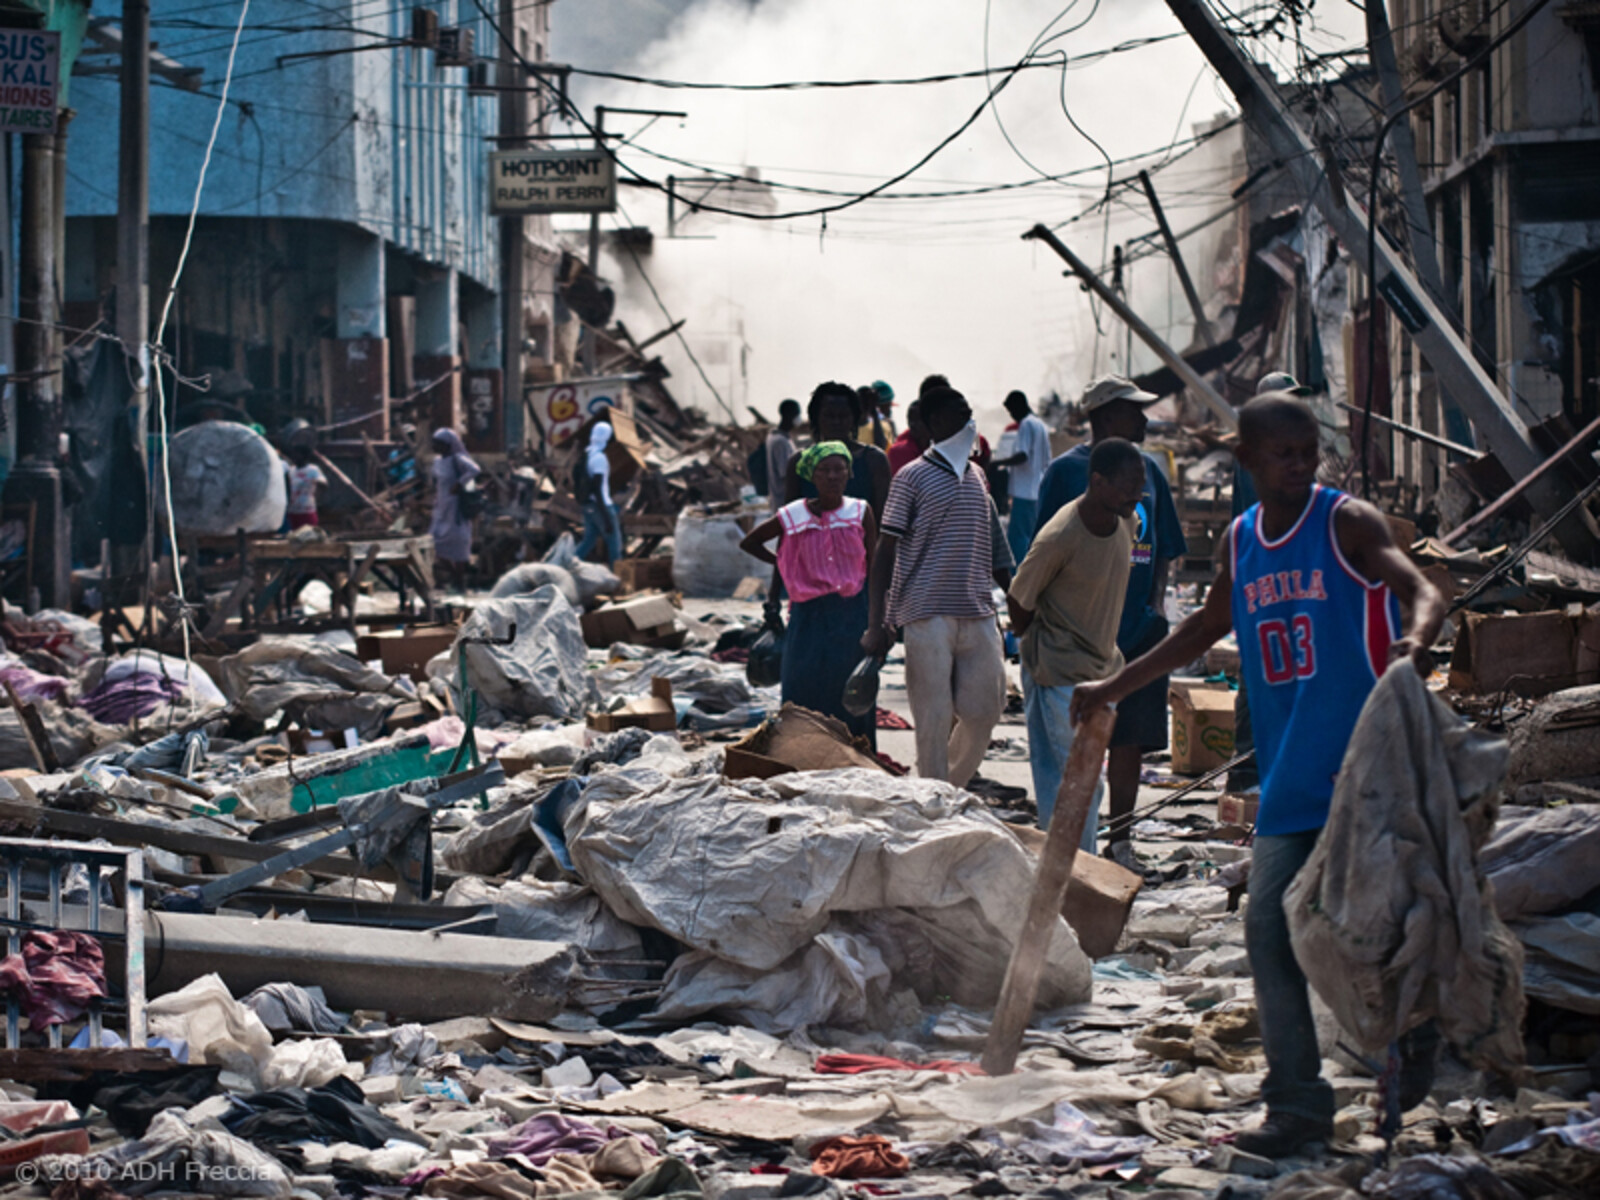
<point x="1066" y="602"/>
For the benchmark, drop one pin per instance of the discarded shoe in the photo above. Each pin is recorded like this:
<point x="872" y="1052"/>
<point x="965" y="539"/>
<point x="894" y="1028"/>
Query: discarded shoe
<point x="1281" y="1134"/>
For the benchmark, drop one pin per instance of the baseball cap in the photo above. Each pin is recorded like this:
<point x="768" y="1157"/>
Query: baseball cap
<point x="885" y="392"/>
<point x="1111" y="388"/>
<point x="1281" y="381"/>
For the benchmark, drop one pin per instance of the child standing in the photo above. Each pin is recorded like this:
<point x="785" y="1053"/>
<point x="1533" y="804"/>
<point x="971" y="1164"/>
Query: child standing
<point x="306" y="484"/>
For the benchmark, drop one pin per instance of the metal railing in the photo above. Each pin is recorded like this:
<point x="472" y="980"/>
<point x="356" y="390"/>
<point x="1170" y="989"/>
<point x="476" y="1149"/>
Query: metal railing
<point x="58" y="858"/>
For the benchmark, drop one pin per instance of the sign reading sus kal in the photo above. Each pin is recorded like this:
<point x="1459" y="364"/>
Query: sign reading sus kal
<point x="30" y="74"/>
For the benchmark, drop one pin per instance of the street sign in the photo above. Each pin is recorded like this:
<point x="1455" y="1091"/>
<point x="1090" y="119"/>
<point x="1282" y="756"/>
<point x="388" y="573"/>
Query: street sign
<point x="30" y="73"/>
<point x="551" y="181"/>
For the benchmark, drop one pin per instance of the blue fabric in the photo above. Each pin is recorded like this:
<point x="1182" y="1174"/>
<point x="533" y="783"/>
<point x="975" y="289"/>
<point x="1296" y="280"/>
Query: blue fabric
<point x="1021" y="526"/>
<point x="600" y="520"/>
<point x="1159" y="534"/>
<point x="822" y="647"/>
<point x="1050" y="734"/>
<point x="1294" y="1084"/>
<point x="1313" y="640"/>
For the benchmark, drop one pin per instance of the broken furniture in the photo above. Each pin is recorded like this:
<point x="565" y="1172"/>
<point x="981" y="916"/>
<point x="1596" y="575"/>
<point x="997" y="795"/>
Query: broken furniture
<point x="279" y="567"/>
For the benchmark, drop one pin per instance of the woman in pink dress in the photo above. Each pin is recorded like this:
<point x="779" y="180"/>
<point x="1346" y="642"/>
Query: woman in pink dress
<point x="824" y="546"/>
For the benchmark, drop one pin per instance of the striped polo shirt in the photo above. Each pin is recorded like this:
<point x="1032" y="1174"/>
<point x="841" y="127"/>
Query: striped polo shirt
<point x="950" y="542"/>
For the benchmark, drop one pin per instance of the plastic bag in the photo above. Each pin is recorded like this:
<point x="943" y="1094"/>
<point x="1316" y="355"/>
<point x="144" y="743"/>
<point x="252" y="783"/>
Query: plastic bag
<point x="706" y="559"/>
<point x="861" y="689"/>
<point x="764" y="667"/>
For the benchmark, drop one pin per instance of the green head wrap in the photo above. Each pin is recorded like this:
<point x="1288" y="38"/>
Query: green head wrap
<point x="807" y="466"/>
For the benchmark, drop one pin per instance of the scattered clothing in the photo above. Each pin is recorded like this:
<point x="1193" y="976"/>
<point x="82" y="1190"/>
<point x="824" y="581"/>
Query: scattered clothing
<point x="869" y="1157"/>
<point x="55" y="977"/>
<point x="133" y="1099"/>
<point x="856" y="1064"/>
<point x="118" y="702"/>
<point x="891" y="720"/>
<point x="34" y="685"/>
<point x="542" y="1137"/>
<point x="288" y="1006"/>
<point x="335" y="1112"/>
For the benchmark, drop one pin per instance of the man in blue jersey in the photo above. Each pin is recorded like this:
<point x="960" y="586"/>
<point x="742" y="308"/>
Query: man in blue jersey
<point x="1312" y="584"/>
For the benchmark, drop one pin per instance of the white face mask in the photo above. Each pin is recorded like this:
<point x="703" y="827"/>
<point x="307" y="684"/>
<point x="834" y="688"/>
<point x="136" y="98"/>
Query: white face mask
<point x="956" y="450"/>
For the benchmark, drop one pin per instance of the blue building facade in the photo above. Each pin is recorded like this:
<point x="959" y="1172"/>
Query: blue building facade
<point x="344" y="256"/>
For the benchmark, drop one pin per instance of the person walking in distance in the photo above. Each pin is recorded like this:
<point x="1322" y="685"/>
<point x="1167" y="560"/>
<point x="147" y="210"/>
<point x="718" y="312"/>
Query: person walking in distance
<point x="824" y="546"/>
<point x="1312" y="585"/>
<point x="1066" y="603"/>
<point x="1025" y="466"/>
<point x="780" y="449"/>
<point x="1116" y="409"/>
<point x="602" y="520"/>
<point x="911" y="444"/>
<point x="939" y="553"/>
<point x="451" y="528"/>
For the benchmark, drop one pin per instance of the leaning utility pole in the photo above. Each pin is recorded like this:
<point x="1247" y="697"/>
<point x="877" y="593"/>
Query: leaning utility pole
<point x="133" y="209"/>
<point x="1453" y="363"/>
<point x="1202" y="326"/>
<point x="591" y="335"/>
<point x="513" y="136"/>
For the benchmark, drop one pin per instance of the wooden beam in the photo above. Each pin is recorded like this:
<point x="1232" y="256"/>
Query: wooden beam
<point x="1021" y="986"/>
<point x="1490" y="511"/>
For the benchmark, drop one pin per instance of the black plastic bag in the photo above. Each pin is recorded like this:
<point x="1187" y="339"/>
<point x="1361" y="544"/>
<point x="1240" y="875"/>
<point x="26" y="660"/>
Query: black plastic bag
<point x="764" y="667"/>
<point x="861" y="689"/>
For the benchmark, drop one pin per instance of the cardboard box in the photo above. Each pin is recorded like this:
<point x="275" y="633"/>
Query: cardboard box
<point x="1530" y="654"/>
<point x="405" y="651"/>
<point x="1099" y="898"/>
<point x="644" y="574"/>
<point x="1238" y="810"/>
<point x="654" y="712"/>
<point x="1202" y="726"/>
<point x="648" y="620"/>
<point x="797" y="739"/>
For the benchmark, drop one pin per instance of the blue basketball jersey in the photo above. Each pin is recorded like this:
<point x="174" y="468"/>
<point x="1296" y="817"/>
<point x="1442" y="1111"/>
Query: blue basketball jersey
<point x="1314" y="637"/>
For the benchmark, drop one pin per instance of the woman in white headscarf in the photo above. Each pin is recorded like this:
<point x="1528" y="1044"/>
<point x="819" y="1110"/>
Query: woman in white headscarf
<point x="601" y="517"/>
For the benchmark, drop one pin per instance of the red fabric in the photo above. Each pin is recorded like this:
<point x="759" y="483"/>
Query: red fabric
<point x="856" y="1064"/>
<point x="301" y="520"/>
<point x="889" y="720"/>
<point x="869" y="1157"/>
<point x="903" y="451"/>
<point x="54" y="977"/>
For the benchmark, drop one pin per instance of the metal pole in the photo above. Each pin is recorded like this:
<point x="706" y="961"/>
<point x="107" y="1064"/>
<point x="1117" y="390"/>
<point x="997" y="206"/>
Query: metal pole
<point x="590" y="334"/>
<point x="1458" y="371"/>
<point x="513" y="125"/>
<point x="1191" y="379"/>
<point x="1201" y="325"/>
<point x="133" y="208"/>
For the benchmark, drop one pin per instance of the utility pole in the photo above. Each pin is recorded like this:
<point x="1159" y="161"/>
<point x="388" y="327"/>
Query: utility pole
<point x="1191" y="378"/>
<point x="513" y="136"/>
<point x="1458" y="371"/>
<point x="1201" y="325"/>
<point x="133" y="210"/>
<point x="37" y="477"/>
<point x="591" y="336"/>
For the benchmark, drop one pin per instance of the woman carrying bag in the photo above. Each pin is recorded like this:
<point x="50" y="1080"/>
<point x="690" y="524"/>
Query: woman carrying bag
<point x="824" y="546"/>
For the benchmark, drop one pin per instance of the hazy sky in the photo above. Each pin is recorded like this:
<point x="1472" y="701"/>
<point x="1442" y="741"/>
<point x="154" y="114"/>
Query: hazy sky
<point x="896" y="288"/>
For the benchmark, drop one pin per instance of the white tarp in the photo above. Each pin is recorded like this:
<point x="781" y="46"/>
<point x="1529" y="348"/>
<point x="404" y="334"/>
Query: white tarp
<point x="543" y="672"/>
<point x="753" y="871"/>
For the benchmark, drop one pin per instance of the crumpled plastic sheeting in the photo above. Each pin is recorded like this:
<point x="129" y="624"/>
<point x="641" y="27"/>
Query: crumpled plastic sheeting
<point x="173" y="1155"/>
<point x="288" y="1006"/>
<point x="55" y="977"/>
<point x="404" y="1046"/>
<point x="217" y="1028"/>
<point x="710" y="686"/>
<point x="752" y="871"/>
<point x="835" y="980"/>
<point x="530" y="577"/>
<point x="327" y="688"/>
<point x="73" y="735"/>
<point x="543" y="672"/>
<point x="551" y="912"/>
<point x="1074" y="1137"/>
<point x="1542" y="859"/>
<point x="1563" y="960"/>
<point x="1390" y="917"/>
<point x="307" y="1063"/>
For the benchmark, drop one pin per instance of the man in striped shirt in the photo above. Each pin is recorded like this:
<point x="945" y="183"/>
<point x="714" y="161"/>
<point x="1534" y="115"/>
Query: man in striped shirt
<point x="940" y="552"/>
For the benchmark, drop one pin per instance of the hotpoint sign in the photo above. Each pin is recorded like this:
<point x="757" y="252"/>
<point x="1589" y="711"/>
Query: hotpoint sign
<point x="30" y="73"/>
<point x="551" y="181"/>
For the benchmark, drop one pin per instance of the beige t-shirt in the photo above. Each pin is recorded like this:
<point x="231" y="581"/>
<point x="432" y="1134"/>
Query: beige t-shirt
<point x="1074" y="583"/>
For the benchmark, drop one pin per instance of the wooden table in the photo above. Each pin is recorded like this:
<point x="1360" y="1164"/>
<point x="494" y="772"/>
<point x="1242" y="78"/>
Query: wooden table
<point x="279" y="567"/>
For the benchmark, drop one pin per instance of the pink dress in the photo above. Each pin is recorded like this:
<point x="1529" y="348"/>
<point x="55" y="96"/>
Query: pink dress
<point x="823" y="554"/>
